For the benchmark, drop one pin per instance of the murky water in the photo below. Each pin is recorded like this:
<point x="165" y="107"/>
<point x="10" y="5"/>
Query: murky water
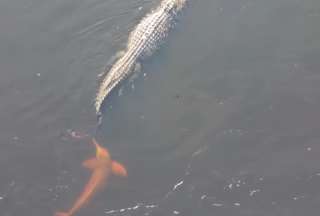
<point x="223" y="120"/>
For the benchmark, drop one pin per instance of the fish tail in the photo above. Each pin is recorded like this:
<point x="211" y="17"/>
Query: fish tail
<point x="62" y="214"/>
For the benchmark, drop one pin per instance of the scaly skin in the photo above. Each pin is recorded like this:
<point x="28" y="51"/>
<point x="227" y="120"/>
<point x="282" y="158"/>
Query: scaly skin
<point x="148" y="35"/>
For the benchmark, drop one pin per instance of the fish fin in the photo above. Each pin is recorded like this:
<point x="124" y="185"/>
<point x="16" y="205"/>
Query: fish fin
<point x="118" y="169"/>
<point x="92" y="163"/>
<point x="61" y="214"/>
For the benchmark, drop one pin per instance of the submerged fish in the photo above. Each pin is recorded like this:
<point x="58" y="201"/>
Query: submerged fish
<point x="147" y="36"/>
<point x="102" y="166"/>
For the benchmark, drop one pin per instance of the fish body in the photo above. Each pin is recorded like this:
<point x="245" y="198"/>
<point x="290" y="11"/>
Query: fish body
<point x="147" y="37"/>
<point x="102" y="166"/>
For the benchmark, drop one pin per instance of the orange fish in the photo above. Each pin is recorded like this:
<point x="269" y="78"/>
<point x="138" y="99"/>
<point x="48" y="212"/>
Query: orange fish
<point x="102" y="166"/>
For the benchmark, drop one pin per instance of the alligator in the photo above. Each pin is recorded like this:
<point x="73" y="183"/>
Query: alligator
<point x="143" y="41"/>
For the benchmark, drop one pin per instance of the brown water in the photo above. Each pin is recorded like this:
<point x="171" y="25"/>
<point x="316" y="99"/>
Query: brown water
<point x="225" y="120"/>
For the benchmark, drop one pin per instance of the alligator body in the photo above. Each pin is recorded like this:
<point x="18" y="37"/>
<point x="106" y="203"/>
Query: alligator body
<point x="147" y="37"/>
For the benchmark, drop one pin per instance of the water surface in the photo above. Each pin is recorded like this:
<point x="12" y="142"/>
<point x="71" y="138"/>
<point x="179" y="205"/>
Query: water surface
<point x="223" y="120"/>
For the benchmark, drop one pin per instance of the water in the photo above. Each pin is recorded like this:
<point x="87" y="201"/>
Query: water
<point x="224" y="122"/>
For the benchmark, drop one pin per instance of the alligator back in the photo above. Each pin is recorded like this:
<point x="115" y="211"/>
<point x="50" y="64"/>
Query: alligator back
<point x="147" y="37"/>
